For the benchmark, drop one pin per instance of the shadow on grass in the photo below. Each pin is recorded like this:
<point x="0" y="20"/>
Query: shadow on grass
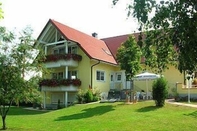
<point x="86" y="113"/>
<point x="22" y="111"/>
<point x="147" y="109"/>
<point x="193" y="114"/>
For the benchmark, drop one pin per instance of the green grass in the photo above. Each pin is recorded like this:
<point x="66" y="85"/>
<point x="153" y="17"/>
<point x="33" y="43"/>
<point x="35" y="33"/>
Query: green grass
<point x="142" y="116"/>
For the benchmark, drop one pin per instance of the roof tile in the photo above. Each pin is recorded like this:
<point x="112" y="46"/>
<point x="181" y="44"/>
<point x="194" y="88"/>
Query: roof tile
<point x="93" y="47"/>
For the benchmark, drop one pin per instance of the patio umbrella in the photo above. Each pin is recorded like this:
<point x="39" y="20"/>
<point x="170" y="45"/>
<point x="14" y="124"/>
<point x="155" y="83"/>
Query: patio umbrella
<point x="145" y="77"/>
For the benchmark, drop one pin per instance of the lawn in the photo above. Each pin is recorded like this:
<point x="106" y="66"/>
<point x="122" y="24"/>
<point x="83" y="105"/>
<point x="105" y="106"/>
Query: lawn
<point x="118" y="116"/>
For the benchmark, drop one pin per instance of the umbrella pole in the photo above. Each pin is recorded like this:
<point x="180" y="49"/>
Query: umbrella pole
<point x="146" y="90"/>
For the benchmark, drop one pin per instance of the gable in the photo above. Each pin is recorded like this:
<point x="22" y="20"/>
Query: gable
<point x="93" y="47"/>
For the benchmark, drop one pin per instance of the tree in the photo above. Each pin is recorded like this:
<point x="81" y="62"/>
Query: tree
<point x="160" y="91"/>
<point x="174" y="25"/>
<point x="1" y="11"/>
<point x="129" y="57"/>
<point x="17" y="56"/>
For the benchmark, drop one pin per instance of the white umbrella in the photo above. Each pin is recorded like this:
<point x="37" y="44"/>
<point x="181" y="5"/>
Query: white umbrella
<point x="146" y="76"/>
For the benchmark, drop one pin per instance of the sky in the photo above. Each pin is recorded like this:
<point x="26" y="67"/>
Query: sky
<point x="88" y="16"/>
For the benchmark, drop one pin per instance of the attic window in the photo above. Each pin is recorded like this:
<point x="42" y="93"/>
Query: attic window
<point x="107" y="52"/>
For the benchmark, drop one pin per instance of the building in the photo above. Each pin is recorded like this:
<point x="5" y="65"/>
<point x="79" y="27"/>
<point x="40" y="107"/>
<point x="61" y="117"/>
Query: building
<point x="79" y="61"/>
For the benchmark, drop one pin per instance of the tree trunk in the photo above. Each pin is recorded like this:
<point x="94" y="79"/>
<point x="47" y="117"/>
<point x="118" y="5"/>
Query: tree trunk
<point x="4" y="124"/>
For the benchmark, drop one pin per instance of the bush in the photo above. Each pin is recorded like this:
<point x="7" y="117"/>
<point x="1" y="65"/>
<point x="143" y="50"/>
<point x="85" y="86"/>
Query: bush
<point x="160" y="91"/>
<point x="95" y="97"/>
<point x="80" y="96"/>
<point x="89" y="96"/>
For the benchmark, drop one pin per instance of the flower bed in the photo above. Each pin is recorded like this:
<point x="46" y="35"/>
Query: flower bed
<point x="56" y="57"/>
<point x="60" y="82"/>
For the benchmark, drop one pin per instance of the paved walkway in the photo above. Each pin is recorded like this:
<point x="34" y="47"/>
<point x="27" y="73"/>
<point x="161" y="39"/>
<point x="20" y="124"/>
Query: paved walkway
<point x="171" y="101"/>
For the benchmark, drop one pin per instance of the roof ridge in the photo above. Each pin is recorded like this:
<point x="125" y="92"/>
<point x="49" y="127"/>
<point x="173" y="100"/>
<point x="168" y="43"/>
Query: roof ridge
<point x="75" y="29"/>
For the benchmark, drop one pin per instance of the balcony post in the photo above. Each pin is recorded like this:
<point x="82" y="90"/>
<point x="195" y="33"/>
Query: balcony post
<point x="66" y="47"/>
<point x="45" y="50"/>
<point x="66" y="72"/>
<point x="66" y="98"/>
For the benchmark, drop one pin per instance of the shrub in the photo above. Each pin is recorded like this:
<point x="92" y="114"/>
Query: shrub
<point x="160" y="91"/>
<point x="80" y="96"/>
<point x="95" y="97"/>
<point x="89" y="96"/>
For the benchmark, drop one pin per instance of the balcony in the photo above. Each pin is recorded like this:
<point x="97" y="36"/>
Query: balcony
<point x="60" y="84"/>
<point x="58" y="60"/>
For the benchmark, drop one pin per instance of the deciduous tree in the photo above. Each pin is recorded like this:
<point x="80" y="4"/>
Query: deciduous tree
<point x="1" y="11"/>
<point x="17" y="56"/>
<point x="174" y="25"/>
<point x="129" y="57"/>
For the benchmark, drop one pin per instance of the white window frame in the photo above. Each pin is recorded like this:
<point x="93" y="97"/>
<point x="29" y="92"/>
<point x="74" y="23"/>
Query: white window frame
<point x="57" y="50"/>
<point x="72" y="49"/>
<point x="117" y="76"/>
<point x="57" y="96"/>
<point x="72" y="73"/>
<point x="57" y="75"/>
<point x="102" y="74"/>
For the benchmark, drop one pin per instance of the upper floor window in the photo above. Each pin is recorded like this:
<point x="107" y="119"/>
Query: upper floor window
<point x="59" y="50"/>
<point x="100" y="75"/>
<point x="72" y="74"/>
<point x="62" y="50"/>
<point x="58" y="75"/>
<point x="72" y="49"/>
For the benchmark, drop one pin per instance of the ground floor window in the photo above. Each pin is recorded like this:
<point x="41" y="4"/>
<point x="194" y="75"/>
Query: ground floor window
<point x="55" y="97"/>
<point x="100" y="75"/>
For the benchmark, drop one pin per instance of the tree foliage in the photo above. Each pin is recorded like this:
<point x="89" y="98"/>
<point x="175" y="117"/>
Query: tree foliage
<point x="1" y="11"/>
<point x="17" y="56"/>
<point x="160" y="91"/>
<point x="174" y="25"/>
<point x="129" y="56"/>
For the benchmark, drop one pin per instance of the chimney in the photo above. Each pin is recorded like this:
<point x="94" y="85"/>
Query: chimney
<point x="95" y="35"/>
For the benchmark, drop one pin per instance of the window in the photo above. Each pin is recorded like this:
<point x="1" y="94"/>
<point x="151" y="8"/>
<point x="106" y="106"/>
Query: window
<point x="119" y="77"/>
<point x="54" y="75"/>
<point x="112" y="77"/>
<point x="55" y="97"/>
<point x="55" y="51"/>
<point x="100" y="75"/>
<point x="72" y="49"/>
<point x="59" y="50"/>
<point x="59" y="75"/>
<point x="72" y="74"/>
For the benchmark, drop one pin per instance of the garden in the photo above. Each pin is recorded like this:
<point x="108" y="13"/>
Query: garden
<point x="106" y="117"/>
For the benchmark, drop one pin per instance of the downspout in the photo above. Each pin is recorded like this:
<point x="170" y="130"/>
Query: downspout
<point x="92" y="71"/>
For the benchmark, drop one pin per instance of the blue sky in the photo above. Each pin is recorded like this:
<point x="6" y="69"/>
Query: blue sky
<point x="87" y="16"/>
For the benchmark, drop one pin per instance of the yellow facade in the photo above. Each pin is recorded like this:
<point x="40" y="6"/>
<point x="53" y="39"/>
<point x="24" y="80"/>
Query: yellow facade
<point x="103" y="86"/>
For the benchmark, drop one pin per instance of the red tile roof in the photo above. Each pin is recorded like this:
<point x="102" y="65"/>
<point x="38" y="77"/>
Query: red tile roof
<point x="115" y="42"/>
<point x="93" y="47"/>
